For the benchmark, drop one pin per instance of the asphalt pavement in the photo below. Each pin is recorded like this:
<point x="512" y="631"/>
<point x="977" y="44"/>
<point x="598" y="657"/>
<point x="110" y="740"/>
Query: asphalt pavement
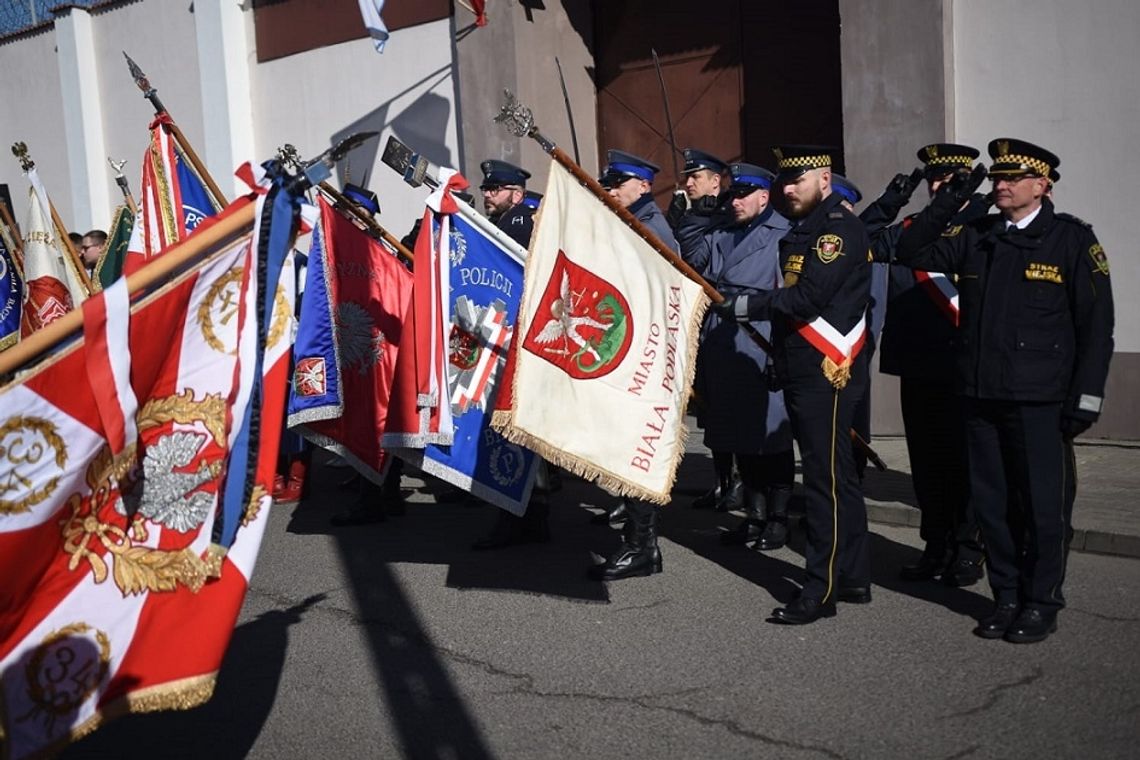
<point x="396" y="640"/>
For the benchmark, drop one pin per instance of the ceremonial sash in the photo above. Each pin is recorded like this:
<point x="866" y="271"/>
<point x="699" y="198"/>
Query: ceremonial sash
<point x="942" y="291"/>
<point x="839" y="349"/>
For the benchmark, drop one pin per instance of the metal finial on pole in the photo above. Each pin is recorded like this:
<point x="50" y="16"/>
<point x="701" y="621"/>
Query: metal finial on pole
<point x="20" y="151"/>
<point x="124" y="185"/>
<point x="143" y="83"/>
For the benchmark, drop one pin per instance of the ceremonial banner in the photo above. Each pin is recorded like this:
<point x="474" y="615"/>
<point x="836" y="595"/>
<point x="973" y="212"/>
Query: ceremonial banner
<point x="114" y="453"/>
<point x="173" y="199"/>
<point x="608" y="337"/>
<point x="51" y="287"/>
<point x="110" y="265"/>
<point x="485" y="272"/>
<point x="11" y="294"/>
<point x="351" y="331"/>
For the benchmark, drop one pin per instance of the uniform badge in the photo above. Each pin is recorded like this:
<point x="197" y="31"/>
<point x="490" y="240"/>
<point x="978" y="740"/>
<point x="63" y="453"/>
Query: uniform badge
<point x="1100" y="261"/>
<point x="829" y="248"/>
<point x="952" y="231"/>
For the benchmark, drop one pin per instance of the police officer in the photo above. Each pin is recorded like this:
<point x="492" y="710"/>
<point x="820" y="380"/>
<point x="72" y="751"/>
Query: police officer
<point x="629" y="180"/>
<point x="819" y="328"/>
<point x="504" y="190"/>
<point x="740" y="413"/>
<point x="918" y="346"/>
<point x="1035" y="340"/>
<point x="705" y="181"/>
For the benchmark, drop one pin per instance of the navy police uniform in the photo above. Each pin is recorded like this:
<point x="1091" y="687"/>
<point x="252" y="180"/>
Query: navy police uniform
<point x="917" y="346"/>
<point x="622" y="166"/>
<point x="1035" y="343"/>
<point x="695" y="161"/>
<point x="518" y="220"/>
<point x="827" y="278"/>
<point x="740" y="412"/>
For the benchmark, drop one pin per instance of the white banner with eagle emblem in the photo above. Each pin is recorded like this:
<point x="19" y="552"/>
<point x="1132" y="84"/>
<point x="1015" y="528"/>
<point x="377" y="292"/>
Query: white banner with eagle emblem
<point x="607" y="345"/>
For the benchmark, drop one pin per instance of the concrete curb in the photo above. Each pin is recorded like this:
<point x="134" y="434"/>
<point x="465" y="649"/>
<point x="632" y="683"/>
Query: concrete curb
<point x="1090" y="541"/>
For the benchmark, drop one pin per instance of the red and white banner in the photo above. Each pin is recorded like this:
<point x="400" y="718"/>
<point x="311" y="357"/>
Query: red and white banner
<point x="108" y="495"/>
<point x="606" y="351"/>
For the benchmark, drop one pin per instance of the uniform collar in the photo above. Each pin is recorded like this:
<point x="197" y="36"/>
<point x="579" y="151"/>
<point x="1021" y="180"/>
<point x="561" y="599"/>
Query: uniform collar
<point x="826" y="206"/>
<point x="636" y="207"/>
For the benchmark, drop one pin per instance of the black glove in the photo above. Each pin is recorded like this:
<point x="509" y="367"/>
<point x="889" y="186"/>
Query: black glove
<point x="1071" y="427"/>
<point x="963" y="184"/>
<point x="726" y="309"/>
<point x="677" y="208"/>
<point x="903" y="186"/>
<point x="706" y="205"/>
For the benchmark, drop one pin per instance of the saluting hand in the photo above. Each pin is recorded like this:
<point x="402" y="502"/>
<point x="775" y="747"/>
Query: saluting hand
<point x="963" y="184"/>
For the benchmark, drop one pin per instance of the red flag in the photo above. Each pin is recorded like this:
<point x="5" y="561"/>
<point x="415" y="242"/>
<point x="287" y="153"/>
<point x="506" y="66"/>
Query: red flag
<point x="369" y="292"/>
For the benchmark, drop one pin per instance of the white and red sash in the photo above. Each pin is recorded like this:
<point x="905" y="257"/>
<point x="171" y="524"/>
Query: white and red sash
<point x="942" y="291"/>
<point x="839" y="349"/>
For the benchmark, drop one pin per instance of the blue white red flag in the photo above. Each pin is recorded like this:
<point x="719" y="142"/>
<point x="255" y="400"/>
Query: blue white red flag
<point x="485" y="273"/>
<point x="350" y="335"/>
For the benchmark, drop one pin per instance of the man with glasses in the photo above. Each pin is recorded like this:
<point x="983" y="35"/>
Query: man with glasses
<point x="743" y="417"/>
<point x="1035" y="343"/>
<point x="91" y="248"/>
<point x="504" y="190"/>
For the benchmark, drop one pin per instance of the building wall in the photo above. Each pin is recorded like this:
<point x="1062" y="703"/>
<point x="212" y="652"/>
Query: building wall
<point x="516" y="50"/>
<point x="34" y="114"/>
<point x="313" y="99"/>
<point x="1066" y="80"/>
<point x="894" y="102"/>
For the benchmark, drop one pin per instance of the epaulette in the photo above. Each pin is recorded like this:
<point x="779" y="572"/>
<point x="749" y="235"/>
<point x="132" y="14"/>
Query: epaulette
<point x="835" y="215"/>
<point x="1074" y="219"/>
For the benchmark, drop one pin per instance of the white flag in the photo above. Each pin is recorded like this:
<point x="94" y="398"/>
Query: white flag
<point x="608" y="337"/>
<point x="370" y="11"/>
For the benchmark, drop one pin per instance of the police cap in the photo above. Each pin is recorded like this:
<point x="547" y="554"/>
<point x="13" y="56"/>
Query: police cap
<point x="748" y="178"/>
<point x="621" y="166"/>
<point x="362" y="197"/>
<point x="531" y="199"/>
<point x="794" y="160"/>
<point x="695" y="160"/>
<point x="846" y="188"/>
<point x="946" y="158"/>
<point x="1019" y="157"/>
<point x="498" y="173"/>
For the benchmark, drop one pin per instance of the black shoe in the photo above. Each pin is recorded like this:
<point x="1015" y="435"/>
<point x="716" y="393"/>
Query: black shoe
<point x="358" y="515"/>
<point x="612" y="516"/>
<point x="745" y="532"/>
<point x="731" y="499"/>
<point x="707" y="500"/>
<point x="998" y="622"/>
<point x="854" y="594"/>
<point x="962" y="573"/>
<point x="628" y="562"/>
<point x="802" y="611"/>
<point x="1031" y="626"/>
<point x="930" y="565"/>
<point x="506" y="531"/>
<point x="775" y="535"/>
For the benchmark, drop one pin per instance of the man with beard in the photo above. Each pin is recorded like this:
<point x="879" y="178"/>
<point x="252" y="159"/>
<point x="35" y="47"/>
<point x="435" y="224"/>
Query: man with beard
<point x="1035" y="341"/>
<point x="819" y="327"/>
<point x="629" y="180"/>
<point x="918" y="346"/>
<point x="741" y="414"/>
<point x="504" y="192"/>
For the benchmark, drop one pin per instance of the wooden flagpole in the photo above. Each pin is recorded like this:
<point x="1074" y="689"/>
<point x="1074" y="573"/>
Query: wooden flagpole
<point x="240" y="222"/>
<point x="151" y="94"/>
<point x="345" y="204"/>
<point x="519" y="121"/>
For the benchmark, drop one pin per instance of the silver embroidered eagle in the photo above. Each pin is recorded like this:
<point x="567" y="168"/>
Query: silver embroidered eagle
<point x="167" y="496"/>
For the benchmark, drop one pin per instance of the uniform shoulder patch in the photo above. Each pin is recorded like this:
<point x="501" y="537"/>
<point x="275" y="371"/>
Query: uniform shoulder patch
<point x="1099" y="259"/>
<point x="952" y="231"/>
<point x="828" y="248"/>
<point x="1074" y="219"/>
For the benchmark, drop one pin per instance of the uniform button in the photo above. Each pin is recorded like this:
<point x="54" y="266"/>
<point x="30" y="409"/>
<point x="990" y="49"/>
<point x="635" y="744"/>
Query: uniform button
<point x="1020" y="344"/>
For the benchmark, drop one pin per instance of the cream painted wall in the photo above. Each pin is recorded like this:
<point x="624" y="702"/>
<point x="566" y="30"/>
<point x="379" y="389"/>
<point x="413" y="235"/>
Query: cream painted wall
<point x="1064" y="75"/>
<point x="407" y="91"/>
<point x="33" y="113"/>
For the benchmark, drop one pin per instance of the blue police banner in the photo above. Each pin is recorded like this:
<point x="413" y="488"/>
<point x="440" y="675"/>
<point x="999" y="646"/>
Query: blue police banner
<point x="486" y="273"/>
<point x="197" y="203"/>
<point x="11" y="294"/>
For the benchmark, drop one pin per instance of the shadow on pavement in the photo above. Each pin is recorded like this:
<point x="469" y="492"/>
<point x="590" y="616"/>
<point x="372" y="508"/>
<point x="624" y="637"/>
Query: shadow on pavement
<point x="229" y="723"/>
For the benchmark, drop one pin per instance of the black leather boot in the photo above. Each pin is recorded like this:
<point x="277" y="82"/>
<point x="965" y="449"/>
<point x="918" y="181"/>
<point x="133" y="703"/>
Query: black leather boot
<point x="733" y="497"/>
<point x="775" y="533"/>
<point x="638" y="554"/>
<point x="536" y="522"/>
<point x="752" y="526"/>
<point x="612" y="516"/>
